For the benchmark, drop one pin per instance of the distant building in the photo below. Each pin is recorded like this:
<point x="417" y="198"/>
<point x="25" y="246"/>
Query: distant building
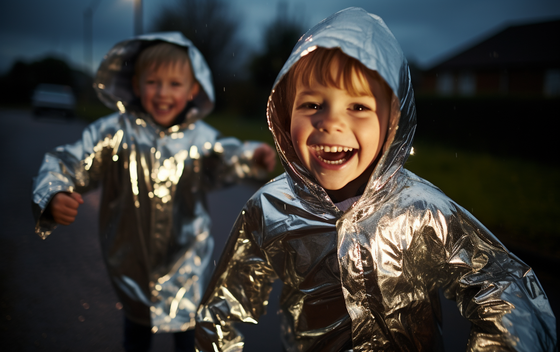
<point x="519" y="60"/>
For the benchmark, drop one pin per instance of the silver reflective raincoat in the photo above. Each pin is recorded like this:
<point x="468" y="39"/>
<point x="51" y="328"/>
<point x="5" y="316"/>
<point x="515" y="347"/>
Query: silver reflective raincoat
<point x="154" y="222"/>
<point x="367" y="279"/>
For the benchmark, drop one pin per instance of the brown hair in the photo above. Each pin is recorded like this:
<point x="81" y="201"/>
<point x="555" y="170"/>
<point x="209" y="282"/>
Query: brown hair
<point x="316" y="67"/>
<point x="160" y="54"/>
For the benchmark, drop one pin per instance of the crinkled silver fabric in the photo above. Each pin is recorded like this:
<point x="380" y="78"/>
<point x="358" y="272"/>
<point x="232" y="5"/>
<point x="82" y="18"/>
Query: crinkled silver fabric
<point x="367" y="279"/>
<point x="154" y="222"/>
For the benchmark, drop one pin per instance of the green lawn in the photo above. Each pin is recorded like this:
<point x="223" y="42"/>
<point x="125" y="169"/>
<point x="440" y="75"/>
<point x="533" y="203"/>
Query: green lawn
<point x="516" y="199"/>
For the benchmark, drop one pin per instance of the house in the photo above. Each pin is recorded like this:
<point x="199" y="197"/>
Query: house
<point x="520" y="60"/>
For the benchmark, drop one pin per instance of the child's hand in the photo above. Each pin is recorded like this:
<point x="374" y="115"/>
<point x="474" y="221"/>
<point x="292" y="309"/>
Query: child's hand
<point x="265" y="157"/>
<point x="64" y="207"/>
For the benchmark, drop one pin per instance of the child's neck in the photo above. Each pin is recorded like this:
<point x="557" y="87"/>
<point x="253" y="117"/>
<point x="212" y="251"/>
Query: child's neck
<point x="353" y="188"/>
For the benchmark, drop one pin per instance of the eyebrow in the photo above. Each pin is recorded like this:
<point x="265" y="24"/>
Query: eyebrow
<point x="306" y="92"/>
<point x="312" y="92"/>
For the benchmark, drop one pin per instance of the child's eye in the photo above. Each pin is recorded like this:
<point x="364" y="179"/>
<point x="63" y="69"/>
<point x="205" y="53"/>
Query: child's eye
<point x="176" y="84"/>
<point x="311" y="106"/>
<point x="360" y="107"/>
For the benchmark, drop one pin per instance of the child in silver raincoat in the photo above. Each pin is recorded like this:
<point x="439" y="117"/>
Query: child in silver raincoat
<point x="156" y="160"/>
<point x="361" y="244"/>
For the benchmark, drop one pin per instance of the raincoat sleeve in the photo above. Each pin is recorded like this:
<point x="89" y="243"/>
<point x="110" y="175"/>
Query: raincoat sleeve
<point x="239" y="288"/>
<point x="73" y="168"/>
<point x="496" y="291"/>
<point x="233" y="163"/>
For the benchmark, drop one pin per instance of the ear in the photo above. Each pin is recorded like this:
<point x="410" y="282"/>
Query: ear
<point x="194" y="91"/>
<point x="136" y="86"/>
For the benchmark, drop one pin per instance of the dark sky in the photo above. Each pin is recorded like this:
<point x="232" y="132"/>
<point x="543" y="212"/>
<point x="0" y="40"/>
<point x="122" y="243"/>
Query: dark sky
<point x="428" y="30"/>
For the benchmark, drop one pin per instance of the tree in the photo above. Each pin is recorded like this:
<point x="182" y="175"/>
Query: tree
<point x="52" y="70"/>
<point x="17" y="85"/>
<point x="212" y="28"/>
<point x="279" y="39"/>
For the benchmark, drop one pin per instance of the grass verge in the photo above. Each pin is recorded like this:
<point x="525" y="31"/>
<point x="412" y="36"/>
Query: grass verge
<point x="515" y="198"/>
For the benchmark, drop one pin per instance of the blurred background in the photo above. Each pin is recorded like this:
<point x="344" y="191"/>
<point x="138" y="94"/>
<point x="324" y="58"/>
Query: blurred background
<point x="486" y="76"/>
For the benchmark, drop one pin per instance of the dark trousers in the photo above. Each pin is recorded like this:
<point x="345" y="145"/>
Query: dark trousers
<point x="138" y="338"/>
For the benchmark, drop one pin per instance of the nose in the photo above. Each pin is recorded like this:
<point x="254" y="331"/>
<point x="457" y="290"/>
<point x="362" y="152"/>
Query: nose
<point x="162" y="89"/>
<point x="329" y="121"/>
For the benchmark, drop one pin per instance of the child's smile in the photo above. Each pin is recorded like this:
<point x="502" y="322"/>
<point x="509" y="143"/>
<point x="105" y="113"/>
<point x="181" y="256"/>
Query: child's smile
<point x="333" y="155"/>
<point x="336" y="135"/>
<point x="165" y="91"/>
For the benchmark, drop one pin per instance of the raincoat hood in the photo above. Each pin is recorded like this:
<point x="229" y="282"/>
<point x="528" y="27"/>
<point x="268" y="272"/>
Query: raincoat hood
<point x="113" y="81"/>
<point x="365" y="37"/>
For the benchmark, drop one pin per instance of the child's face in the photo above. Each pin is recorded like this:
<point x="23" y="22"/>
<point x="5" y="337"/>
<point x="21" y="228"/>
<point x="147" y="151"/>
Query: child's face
<point x="337" y="136"/>
<point x="165" y="91"/>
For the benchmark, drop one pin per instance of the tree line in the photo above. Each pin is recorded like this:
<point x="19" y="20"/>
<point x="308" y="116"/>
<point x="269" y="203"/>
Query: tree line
<point x="243" y="77"/>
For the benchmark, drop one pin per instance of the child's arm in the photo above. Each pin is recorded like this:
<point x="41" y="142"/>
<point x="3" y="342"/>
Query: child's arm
<point x="239" y="288"/>
<point x="496" y="291"/>
<point x="265" y="157"/>
<point x="71" y="169"/>
<point x="229" y="160"/>
<point x="240" y="161"/>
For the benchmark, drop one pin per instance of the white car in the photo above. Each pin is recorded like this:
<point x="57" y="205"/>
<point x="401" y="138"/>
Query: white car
<point x="53" y="98"/>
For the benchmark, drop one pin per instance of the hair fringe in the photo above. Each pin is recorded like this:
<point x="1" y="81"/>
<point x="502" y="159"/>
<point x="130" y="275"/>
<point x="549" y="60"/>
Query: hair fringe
<point x="160" y="54"/>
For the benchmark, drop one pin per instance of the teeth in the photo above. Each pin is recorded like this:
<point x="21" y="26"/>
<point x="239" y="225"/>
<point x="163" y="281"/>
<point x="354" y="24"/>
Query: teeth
<point x="332" y="149"/>
<point x="333" y="162"/>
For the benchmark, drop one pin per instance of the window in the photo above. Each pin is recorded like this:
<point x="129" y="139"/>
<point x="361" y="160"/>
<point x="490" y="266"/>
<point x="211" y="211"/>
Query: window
<point x="467" y="83"/>
<point x="444" y="83"/>
<point x="552" y="83"/>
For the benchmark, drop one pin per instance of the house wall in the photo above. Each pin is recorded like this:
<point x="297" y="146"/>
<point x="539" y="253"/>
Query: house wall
<point x="486" y="82"/>
<point x="526" y="81"/>
<point x="490" y="82"/>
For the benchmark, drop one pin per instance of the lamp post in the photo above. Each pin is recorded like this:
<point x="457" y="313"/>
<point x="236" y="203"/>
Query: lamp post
<point x="88" y="34"/>
<point x="138" y="26"/>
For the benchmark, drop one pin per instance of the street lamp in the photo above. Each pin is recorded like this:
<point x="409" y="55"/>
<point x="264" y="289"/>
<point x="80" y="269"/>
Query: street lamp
<point x="138" y="27"/>
<point x="88" y="29"/>
<point x="88" y="34"/>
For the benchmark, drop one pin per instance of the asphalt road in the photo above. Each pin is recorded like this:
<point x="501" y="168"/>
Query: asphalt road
<point x="55" y="295"/>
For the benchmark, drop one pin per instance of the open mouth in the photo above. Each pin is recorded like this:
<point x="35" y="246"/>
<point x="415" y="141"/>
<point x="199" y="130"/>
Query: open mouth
<point x="334" y="155"/>
<point x="163" y="107"/>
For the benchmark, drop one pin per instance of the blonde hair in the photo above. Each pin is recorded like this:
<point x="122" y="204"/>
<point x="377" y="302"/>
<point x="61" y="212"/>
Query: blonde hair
<point x="157" y="55"/>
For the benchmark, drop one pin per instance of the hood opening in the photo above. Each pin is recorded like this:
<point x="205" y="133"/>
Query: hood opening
<point x="279" y="119"/>
<point x="113" y="80"/>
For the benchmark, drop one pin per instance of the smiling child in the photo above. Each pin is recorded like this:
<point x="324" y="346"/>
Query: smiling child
<point x="156" y="160"/>
<point x="362" y="245"/>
